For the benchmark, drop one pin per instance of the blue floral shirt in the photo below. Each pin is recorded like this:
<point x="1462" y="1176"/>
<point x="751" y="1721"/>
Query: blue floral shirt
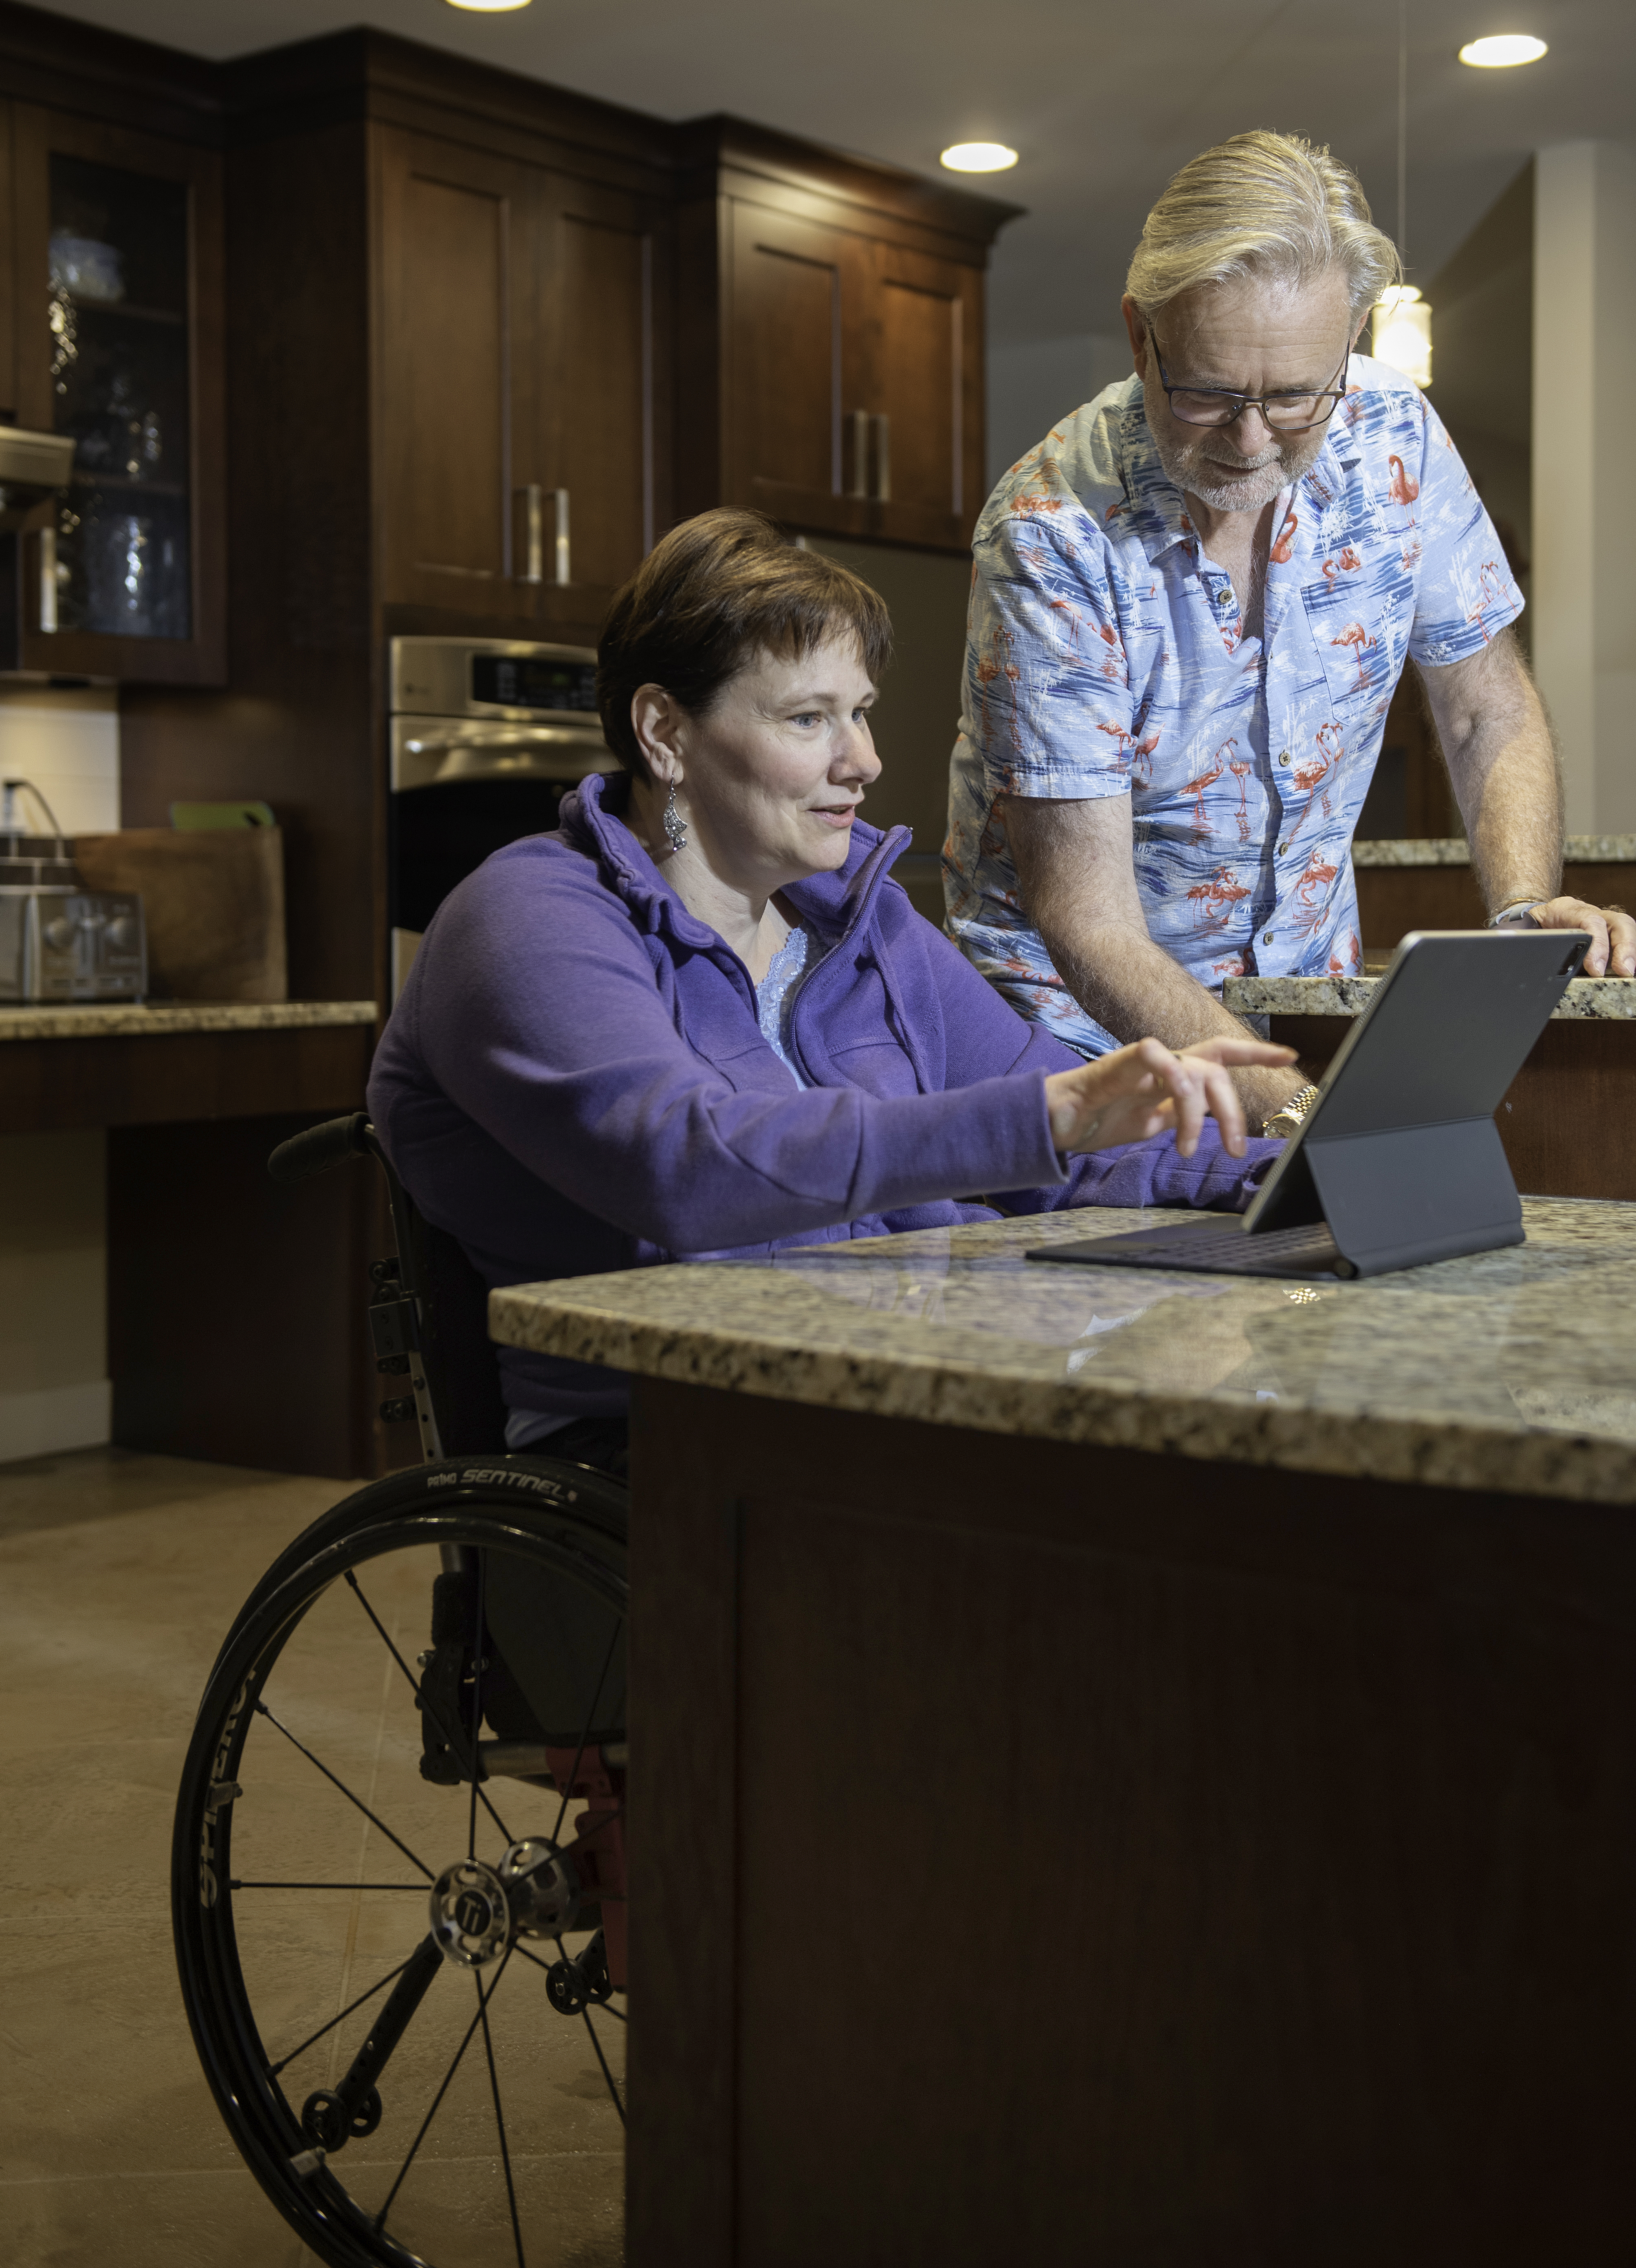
<point x="1106" y="655"/>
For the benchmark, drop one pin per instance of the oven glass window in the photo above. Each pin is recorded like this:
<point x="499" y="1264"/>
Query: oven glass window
<point x="517" y="681"/>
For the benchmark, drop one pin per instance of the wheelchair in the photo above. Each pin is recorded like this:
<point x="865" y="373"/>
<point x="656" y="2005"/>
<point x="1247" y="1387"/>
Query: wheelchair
<point x="403" y="1960"/>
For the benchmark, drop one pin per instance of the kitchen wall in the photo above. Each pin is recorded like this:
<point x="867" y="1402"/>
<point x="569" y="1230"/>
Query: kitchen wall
<point x="1584" y="471"/>
<point x="54" y="1383"/>
<point x="1033" y="384"/>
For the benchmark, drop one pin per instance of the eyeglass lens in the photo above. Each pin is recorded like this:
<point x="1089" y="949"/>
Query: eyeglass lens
<point x="1284" y="413"/>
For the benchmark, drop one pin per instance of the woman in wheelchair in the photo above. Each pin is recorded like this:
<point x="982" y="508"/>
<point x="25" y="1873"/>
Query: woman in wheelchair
<point x="700" y="1020"/>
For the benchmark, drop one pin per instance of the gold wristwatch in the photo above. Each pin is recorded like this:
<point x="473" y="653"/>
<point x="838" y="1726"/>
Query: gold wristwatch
<point x="1283" y="1122"/>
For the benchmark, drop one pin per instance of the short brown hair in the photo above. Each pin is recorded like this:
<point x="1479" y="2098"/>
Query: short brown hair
<point x="708" y="598"/>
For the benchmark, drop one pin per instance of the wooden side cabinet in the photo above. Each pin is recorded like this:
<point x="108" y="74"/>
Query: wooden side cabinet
<point x="116" y="322"/>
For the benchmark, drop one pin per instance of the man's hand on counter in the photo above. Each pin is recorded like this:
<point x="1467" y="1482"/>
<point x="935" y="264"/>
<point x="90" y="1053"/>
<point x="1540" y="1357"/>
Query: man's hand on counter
<point x="1612" y="933"/>
<point x="1143" y="1090"/>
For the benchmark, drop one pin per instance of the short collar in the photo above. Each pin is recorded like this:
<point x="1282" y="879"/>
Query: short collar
<point x="1158" y="514"/>
<point x="835" y="905"/>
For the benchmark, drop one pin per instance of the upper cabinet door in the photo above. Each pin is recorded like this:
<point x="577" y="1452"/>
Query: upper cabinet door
<point x="457" y="461"/>
<point x="926" y="397"/>
<point x="604" y="312"/>
<point x="117" y="340"/>
<point x="794" y="441"/>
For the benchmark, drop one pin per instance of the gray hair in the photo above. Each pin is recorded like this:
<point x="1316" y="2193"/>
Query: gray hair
<point x="1261" y="204"/>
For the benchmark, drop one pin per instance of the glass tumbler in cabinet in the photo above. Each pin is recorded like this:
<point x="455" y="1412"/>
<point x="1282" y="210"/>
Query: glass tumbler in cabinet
<point x="130" y="583"/>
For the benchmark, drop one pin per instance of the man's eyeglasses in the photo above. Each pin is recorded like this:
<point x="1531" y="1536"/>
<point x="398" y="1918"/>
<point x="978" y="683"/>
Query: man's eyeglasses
<point x="1215" y="405"/>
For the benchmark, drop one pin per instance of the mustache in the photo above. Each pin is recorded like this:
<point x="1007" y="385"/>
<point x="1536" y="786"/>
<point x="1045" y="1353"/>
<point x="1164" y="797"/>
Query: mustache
<point x="1235" y="463"/>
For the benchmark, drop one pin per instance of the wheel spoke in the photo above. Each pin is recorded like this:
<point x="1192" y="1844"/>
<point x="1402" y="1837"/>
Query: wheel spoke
<point x="602" y="2060"/>
<point x="477" y="1700"/>
<point x="499" y="2120"/>
<point x="237" y="1885"/>
<point x="562" y="1807"/>
<point x="262" y="1710"/>
<point x="482" y="1999"/>
<point x="274" y="2069"/>
<point x="416" y="1689"/>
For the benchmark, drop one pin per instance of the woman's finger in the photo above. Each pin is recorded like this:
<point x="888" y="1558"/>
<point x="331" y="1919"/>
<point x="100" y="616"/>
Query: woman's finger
<point x="1240" y="1052"/>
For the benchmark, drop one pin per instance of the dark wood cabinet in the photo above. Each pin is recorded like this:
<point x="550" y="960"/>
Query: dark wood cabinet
<point x="844" y="394"/>
<point x="456" y="381"/>
<point x="520" y="313"/>
<point x="115" y="316"/>
<point x="603" y="363"/>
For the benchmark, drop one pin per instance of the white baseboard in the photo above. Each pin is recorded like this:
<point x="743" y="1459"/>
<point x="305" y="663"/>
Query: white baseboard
<point x="55" y="1417"/>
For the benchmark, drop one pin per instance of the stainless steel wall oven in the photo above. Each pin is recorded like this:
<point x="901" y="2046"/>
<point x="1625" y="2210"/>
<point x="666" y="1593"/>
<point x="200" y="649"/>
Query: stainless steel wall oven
<point x="487" y="736"/>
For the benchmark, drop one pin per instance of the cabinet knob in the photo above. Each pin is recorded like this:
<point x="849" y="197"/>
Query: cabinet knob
<point x="534" y="534"/>
<point x="883" y="459"/>
<point x="861" y="454"/>
<point x="48" y="580"/>
<point x="60" y="934"/>
<point x="564" y="555"/>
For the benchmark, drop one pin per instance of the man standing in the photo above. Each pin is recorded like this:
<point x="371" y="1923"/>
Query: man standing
<point x="1192" y="604"/>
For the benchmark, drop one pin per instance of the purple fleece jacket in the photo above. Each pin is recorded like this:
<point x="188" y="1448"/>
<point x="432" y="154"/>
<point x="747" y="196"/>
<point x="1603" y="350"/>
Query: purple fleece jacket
<point x="574" y="1081"/>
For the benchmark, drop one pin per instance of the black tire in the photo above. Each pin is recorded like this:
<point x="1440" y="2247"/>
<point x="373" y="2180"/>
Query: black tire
<point x="509" y="2145"/>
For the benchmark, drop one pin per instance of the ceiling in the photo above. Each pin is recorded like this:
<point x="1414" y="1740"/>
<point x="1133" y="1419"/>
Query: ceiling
<point x="1103" y="101"/>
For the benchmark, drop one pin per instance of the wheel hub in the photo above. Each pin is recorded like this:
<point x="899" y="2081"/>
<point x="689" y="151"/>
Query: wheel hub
<point x="478" y="1910"/>
<point x="471" y="1915"/>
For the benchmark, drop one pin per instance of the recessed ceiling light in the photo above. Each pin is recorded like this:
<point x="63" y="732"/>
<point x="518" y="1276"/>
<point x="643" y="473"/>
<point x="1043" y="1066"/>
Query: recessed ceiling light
<point x="1502" y="51"/>
<point x="488" y="7"/>
<point x="978" y="157"/>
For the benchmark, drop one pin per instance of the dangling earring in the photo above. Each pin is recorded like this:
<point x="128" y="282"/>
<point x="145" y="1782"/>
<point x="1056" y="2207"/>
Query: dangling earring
<point x="674" y="825"/>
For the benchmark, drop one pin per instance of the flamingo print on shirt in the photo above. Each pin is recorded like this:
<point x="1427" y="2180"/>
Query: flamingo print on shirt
<point x="1096" y="666"/>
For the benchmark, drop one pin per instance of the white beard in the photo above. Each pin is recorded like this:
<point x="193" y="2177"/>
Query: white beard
<point x="1276" y="468"/>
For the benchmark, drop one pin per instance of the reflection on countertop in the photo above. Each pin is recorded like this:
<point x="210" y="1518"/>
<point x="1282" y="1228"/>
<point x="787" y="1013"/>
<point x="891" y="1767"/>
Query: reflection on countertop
<point x="1588" y="999"/>
<point x="1510" y="1371"/>
<point x="128" y="1019"/>
<point x="1455" y="850"/>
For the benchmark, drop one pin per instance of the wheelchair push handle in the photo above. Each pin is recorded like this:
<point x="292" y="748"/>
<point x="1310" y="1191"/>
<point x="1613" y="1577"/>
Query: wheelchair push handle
<point x="317" y="1148"/>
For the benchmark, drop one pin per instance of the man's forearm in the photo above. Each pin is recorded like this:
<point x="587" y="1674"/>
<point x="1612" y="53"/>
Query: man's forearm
<point x="1136" y="990"/>
<point x="1505" y="780"/>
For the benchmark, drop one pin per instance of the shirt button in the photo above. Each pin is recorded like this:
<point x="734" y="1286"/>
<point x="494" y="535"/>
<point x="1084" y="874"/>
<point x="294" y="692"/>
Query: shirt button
<point x="1284" y="755"/>
<point x="1267" y="939"/>
<point x="1283" y="847"/>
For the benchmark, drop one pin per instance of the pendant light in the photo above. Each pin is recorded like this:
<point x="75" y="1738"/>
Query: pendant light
<point x="1400" y="333"/>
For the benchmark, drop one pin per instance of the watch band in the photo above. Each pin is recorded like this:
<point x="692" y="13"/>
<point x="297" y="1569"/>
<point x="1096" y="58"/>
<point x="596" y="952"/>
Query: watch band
<point x="1284" y="1121"/>
<point x="1518" y="915"/>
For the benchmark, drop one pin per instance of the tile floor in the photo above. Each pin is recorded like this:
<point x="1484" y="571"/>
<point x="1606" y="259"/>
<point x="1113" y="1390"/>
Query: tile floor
<point x="118" y="1576"/>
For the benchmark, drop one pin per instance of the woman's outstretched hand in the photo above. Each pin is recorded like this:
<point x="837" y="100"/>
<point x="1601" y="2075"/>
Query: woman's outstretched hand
<point x="1143" y="1090"/>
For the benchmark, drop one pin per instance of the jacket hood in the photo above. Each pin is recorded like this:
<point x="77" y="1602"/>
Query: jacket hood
<point x="836" y="905"/>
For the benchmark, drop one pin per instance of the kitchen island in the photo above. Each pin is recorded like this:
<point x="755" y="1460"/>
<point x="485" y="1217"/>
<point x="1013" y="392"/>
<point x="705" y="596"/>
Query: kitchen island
<point x="1128" y="1769"/>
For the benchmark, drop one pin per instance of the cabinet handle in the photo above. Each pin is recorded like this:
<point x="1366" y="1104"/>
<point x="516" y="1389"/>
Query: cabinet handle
<point x="534" y="535"/>
<point x="48" y="580"/>
<point x="883" y="459"/>
<point x="861" y="454"/>
<point x="565" y="557"/>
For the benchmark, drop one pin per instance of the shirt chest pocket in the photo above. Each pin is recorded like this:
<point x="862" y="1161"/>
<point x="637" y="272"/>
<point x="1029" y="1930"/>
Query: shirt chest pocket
<point x="1359" y="644"/>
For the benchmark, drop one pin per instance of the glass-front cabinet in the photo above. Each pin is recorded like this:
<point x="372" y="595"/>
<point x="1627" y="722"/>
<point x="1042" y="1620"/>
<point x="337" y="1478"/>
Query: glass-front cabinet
<point x="119" y="236"/>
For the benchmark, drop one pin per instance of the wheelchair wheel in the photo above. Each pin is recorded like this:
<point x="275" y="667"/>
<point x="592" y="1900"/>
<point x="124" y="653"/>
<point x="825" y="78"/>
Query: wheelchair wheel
<point x="404" y="1976"/>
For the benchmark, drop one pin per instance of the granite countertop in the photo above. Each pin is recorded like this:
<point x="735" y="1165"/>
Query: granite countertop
<point x="1454" y="850"/>
<point x="1510" y="1372"/>
<point x="101" y="1019"/>
<point x="1602" y="999"/>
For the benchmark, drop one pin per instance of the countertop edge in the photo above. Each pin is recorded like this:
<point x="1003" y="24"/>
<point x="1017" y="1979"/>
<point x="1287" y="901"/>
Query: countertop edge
<point x="1429" y="1450"/>
<point x="123" y="1020"/>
